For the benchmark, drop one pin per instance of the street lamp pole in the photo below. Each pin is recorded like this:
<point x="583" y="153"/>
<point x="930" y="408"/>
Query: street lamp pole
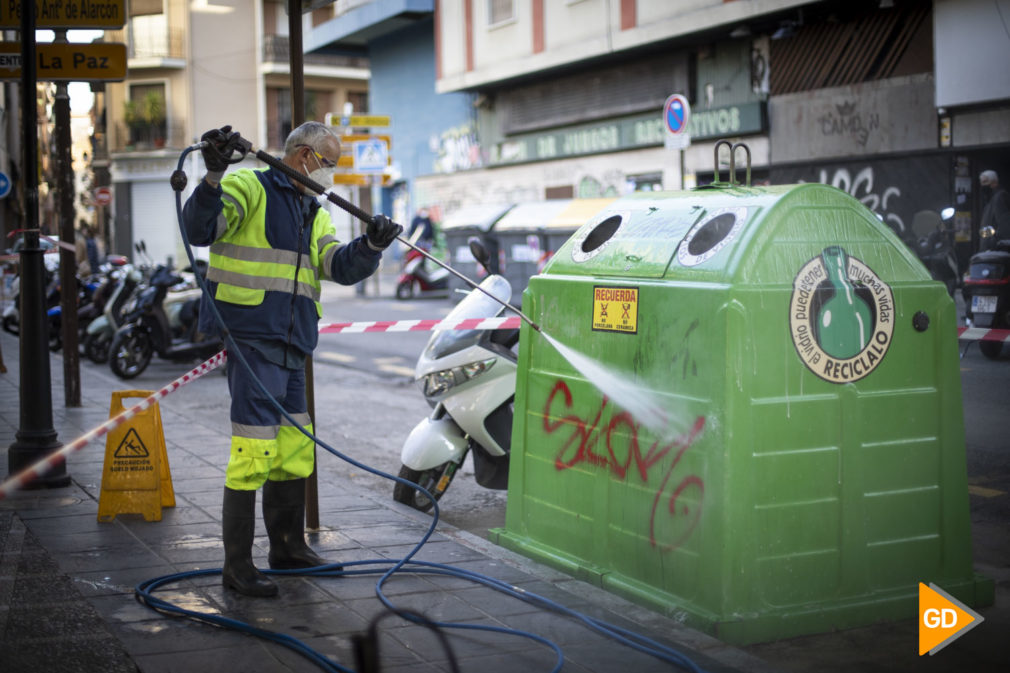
<point x="35" y="437"/>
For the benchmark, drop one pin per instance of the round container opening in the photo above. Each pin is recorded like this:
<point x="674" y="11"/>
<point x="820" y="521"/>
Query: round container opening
<point x="710" y="233"/>
<point x="601" y="233"/>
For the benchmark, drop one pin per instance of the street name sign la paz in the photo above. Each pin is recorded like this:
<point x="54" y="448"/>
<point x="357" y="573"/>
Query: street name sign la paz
<point x="67" y="13"/>
<point x="96" y="62"/>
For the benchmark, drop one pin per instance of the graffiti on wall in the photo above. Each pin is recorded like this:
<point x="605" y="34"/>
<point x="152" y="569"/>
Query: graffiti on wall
<point x="608" y="439"/>
<point x="457" y="149"/>
<point x="845" y="120"/>
<point x="881" y="199"/>
<point x="456" y="194"/>
<point x="895" y="189"/>
<point x="517" y="186"/>
<point x="610" y="183"/>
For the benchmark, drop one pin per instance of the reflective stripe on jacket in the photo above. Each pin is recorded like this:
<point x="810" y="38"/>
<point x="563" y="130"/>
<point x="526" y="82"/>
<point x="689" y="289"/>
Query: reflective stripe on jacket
<point x="262" y="234"/>
<point x="244" y="261"/>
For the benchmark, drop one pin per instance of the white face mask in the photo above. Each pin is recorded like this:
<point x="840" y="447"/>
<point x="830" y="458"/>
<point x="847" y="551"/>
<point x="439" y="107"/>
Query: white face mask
<point x="323" y="175"/>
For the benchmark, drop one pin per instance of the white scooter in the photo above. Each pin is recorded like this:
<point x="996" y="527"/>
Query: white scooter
<point x="100" y="331"/>
<point x="469" y="378"/>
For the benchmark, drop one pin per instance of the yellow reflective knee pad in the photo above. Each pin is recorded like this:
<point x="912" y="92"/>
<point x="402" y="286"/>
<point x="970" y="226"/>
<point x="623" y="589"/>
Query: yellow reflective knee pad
<point x="297" y="457"/>
<point x="250" y="462"/>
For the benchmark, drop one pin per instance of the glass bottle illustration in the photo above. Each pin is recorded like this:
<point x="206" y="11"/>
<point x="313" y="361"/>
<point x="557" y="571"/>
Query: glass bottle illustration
<point x="844" y="321"/>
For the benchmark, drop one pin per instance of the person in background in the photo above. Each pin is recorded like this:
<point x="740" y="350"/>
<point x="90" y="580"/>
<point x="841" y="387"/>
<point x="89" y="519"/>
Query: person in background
<point x="270" y="245"/>
<point x="84" y="266"/>
<point x="996" y="213"/>
<point x="423" y="222"/>
<point x="91" y="245"/>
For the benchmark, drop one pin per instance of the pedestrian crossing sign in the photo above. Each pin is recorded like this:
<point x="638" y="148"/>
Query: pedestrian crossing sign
<point x="370" y="156"/>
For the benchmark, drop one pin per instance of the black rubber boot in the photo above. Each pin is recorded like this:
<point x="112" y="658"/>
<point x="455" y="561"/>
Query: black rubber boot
<point x="284" y="516"/>
<point x="238" y="527"/>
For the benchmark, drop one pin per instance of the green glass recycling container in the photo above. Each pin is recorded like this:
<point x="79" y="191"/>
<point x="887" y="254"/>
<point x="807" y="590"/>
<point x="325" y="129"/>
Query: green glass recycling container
<point x="810" y="468"/>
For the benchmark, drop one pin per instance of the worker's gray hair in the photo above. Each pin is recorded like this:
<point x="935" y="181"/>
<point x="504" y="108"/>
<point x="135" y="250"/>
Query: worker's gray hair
<point x="988" y="178"/>
<point x="309" y="133"/>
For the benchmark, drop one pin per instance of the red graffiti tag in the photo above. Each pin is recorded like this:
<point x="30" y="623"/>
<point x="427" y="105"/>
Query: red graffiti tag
<point x="584" y="438"/>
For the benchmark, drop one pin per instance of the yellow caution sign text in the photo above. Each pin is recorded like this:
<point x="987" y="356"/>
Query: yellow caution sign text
<point x="136" y="478"/>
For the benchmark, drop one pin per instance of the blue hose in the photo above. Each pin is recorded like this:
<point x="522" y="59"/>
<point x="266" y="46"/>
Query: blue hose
<point x="144" y="591"/>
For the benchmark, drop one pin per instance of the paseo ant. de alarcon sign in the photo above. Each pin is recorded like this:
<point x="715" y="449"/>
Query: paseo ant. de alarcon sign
<point x="67" y="13"/>
<point x="62" y="61"/>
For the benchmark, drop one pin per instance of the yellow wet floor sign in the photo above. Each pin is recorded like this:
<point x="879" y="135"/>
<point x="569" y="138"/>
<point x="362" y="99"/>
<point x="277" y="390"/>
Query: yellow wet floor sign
<point x="136" y="477"/>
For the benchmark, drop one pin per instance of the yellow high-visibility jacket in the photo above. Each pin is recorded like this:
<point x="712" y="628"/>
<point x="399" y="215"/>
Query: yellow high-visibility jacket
<point x="269" y="248"/>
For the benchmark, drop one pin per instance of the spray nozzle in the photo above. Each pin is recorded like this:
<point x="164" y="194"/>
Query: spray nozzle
<point x="227" y="145"/>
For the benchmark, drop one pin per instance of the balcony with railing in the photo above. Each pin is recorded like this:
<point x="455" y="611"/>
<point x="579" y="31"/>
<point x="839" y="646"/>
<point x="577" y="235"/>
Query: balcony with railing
<point x="276" y="49"/>
<point x="146" y="136"/>
<point x="151" y="45"/>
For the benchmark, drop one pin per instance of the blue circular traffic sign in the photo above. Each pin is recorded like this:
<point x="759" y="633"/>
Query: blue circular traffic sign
<point x="676" y="112"/>
<point x="5" y="185"/>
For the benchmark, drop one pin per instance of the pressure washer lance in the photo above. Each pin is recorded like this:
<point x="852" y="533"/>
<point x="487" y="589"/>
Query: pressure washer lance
<point x="242" y="147"/>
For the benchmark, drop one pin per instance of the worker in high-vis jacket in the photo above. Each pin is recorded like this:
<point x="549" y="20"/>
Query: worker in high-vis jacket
<point x="270" y="246"/>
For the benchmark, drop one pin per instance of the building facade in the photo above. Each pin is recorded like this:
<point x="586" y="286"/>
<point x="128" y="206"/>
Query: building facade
<point x="431" y="132"/>
<point x="894" y="102"/>
<point x="194" y="66"/>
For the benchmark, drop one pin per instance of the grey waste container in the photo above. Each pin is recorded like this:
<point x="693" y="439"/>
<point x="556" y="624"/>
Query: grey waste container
<point x="457" y="227"/>
<point x="530" y="233"/>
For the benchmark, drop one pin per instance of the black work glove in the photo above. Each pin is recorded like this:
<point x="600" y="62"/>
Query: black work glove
<point x="217" y="150"/>
<point x="381" y="231"/>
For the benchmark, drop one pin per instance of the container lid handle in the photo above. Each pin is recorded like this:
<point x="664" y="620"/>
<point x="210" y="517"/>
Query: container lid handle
<point x="732" y="161"/>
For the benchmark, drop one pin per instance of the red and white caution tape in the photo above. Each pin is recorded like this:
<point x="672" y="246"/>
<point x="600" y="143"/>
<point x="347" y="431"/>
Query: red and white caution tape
<point x="982" y="334"/>
<point x="511" y="322"/>
<point x="50" y="251"/>
<point x="39" y="469"/>
<point x="43" y="466"/>
<point x="17" y="255"/>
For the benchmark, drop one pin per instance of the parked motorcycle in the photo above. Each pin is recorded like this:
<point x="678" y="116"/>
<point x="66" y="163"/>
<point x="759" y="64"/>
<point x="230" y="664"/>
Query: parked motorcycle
<point x="933" y="242"/>
<point x="12" y="313"/>
<point x="86" y="288"/>
<point x="100" y="331"/>
<point x="161" y="323"/>
<point x="11" y="320"/>
<point x="469" y="378"/>
<point x="987" y="289"/>
<point x="107" y="279"/>
<point x="418" y="276"/>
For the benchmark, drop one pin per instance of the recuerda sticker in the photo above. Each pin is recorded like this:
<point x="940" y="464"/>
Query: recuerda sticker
<point x="615" y="309"/>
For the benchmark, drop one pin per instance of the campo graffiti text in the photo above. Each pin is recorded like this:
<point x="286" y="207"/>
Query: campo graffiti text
<point x="623" y="457"/>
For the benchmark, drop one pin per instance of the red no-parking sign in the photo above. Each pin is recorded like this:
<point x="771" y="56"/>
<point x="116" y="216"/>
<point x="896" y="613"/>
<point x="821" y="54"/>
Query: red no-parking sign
<point x="676" y="115"/>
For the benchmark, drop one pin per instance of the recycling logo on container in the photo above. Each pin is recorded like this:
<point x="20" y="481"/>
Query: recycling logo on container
<point x="841" y="316"/>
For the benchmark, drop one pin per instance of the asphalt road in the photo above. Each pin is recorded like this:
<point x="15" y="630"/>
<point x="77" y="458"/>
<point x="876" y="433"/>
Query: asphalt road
<point x="388" y="354"/>
<point x="349" y="361"/>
